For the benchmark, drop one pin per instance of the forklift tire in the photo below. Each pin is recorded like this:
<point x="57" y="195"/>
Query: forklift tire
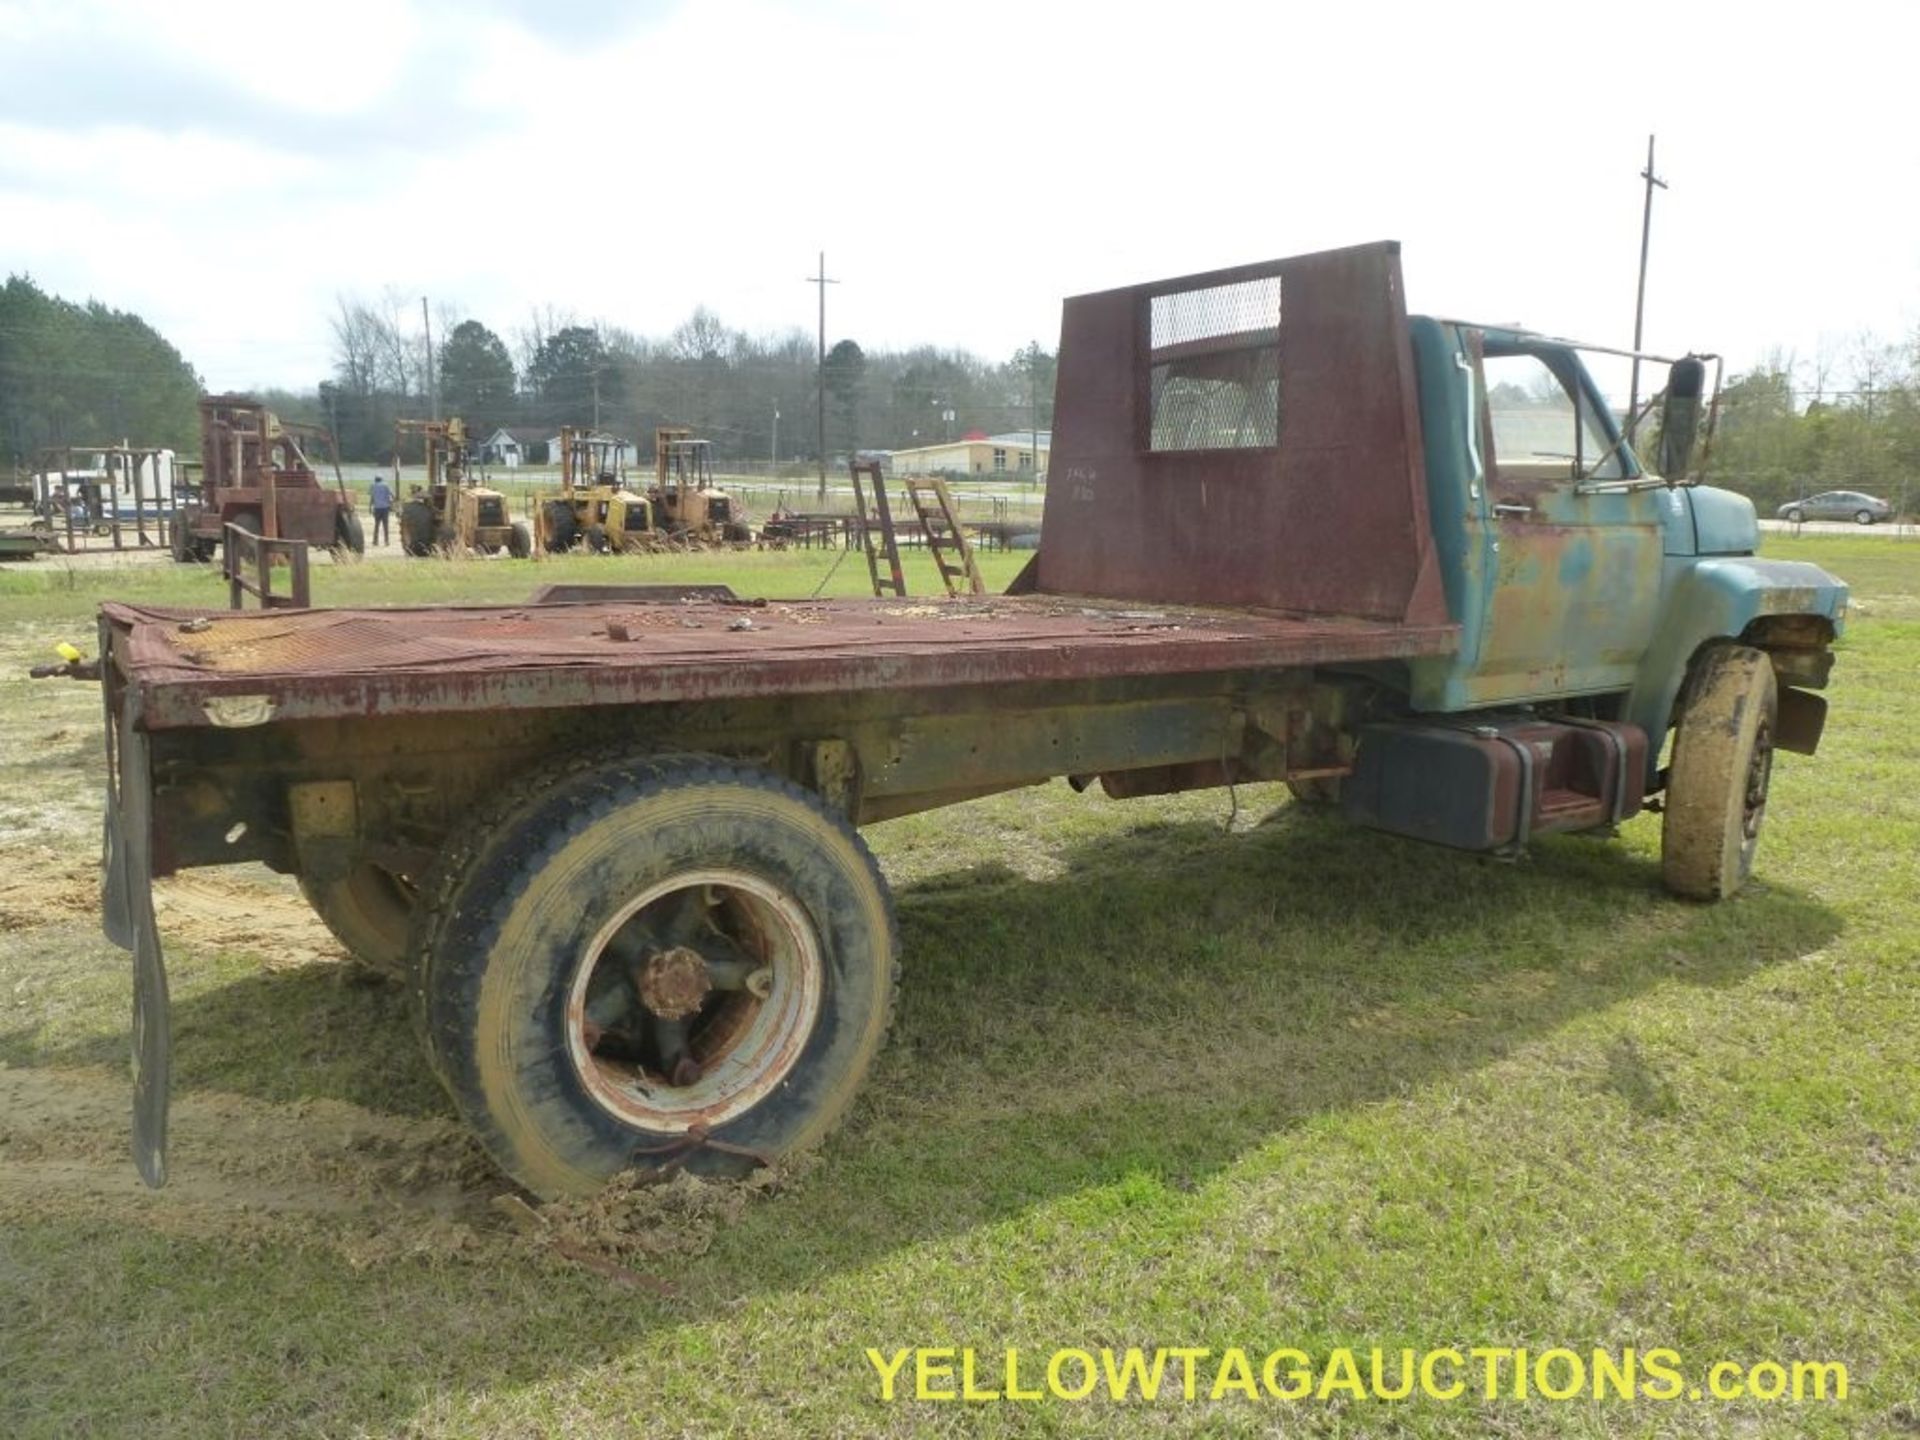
<point x="563" y="526"/>
<point x="519" y="542"/>
<point x="188" y="549"/>
<point x="416" y="528"/>
<point x="370" y="911"/>
<point x="597" y="540"/>
<point x="348" y="537"/>
<point x="1722" y="763"/>
<point x="537" y="939"/>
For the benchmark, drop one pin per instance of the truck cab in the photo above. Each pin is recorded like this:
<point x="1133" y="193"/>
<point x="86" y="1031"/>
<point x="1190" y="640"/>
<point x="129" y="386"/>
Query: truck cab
<point x="1577" y="575"/>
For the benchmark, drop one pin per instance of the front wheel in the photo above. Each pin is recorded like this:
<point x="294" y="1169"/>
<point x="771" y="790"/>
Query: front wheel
<point x="652" y="956"/>
<point x="562" y="526"/>
<point x="417" y="526"/>
<point x="1863" y="517"/>
<point x="1722" y="767"/>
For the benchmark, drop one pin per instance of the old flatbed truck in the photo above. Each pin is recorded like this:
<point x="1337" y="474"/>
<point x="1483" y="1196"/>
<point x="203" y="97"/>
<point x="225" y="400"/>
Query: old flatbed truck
<point x="1291" y="534"/>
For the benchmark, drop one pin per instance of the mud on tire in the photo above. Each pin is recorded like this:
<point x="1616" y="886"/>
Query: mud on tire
<point x="549" y="956"/>
<point x="1722" y="766"/>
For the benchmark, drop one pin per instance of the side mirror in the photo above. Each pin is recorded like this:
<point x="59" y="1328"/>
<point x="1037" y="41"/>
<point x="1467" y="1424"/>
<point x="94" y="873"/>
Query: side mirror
<point x="1680" y="416"/>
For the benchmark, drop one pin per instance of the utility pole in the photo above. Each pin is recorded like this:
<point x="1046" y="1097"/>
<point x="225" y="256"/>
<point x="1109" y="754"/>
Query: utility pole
<point x="822" y="281"/>
<point x="1033" y="407"/>
<point x="773" y="451"/>
<point x="1640" y="295"/>
<point x="433" y="380"/>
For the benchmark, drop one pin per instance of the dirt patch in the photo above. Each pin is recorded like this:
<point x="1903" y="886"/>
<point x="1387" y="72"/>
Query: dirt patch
<point x="243" y="907"/>
<point x="371" y="1188"/>
<point x="641" y="1217"/>
<point x="46" y="885"/>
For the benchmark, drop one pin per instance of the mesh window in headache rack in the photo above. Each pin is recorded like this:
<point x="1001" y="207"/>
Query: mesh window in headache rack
<point x="1216" y="367"/>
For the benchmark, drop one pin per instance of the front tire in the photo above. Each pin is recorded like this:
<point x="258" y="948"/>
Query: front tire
<point x="562" y="526"/>
<point x="1863" y="517"/>
<point x="1722" y="767"/>
<point x="417" y="527"/>
<point x="348" y="537"/>
<point x="651" y="948"/>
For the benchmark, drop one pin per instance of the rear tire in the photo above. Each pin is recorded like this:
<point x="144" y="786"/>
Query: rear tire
<point x="1722" y="765"/>
<point x="532" y="958"/>
<point x="1796" y="515"/>
<point x="348" y="537"/>
<point x="370" y="911"/>
<point x="519" y="542"/>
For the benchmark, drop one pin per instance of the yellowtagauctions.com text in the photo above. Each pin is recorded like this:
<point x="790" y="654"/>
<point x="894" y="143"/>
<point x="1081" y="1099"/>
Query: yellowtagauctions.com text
<point x="966" y="1375"/>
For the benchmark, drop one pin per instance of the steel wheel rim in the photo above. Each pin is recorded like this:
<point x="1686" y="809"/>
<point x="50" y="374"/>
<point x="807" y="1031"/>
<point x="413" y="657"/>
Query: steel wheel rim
<point x="746" y="1045"/>
<point x="1753" y="801"/>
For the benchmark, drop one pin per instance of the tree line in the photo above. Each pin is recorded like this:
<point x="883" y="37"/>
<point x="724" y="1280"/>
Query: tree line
<point x="748" y="394"/>
<point x="74" y="374"/>
<point x="1789" y="429"/>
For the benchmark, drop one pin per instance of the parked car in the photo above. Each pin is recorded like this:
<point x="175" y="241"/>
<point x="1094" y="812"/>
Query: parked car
<point x="1837" y="505"/>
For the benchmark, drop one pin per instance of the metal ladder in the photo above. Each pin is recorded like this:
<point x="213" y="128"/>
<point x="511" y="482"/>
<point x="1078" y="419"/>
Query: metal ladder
<point x="889" y="545"/>
<point x="946" y="542"/>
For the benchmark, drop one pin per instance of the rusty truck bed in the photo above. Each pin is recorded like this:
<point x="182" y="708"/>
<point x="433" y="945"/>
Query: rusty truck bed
<point x="197" y="667"/>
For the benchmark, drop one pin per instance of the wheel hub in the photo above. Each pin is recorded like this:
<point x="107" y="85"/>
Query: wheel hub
<point x="695" y="1000"/>
<point x="674" y="983"/>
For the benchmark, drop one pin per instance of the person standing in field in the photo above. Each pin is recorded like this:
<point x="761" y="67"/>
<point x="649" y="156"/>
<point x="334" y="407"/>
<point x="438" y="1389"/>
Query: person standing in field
<point x="380" y="497"/>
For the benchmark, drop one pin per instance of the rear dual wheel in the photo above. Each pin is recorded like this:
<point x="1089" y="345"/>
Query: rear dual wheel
<point x="370" y="911"/>
<point x="648" y="956"/>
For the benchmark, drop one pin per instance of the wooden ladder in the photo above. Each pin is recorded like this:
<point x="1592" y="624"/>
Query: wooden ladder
<point x="946" y="541"/>
<point x="889" y="545"/>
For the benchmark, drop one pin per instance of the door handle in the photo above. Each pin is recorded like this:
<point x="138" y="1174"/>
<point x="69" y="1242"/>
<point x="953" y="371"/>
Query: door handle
<point x="1511" y="509"/>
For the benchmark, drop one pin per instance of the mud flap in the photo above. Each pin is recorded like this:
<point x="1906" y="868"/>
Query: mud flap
<point x="127" y="917"/>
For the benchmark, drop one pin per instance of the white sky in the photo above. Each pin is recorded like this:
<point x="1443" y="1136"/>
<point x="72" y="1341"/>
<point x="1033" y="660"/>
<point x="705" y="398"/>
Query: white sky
<point x="228" y="168"/>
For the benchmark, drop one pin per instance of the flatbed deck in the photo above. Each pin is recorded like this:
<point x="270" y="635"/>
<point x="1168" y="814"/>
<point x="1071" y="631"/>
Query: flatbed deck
<point x="193" y="668"/>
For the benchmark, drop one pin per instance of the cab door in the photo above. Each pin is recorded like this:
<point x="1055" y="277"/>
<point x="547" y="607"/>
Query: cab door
<point x="1574" y="564"/>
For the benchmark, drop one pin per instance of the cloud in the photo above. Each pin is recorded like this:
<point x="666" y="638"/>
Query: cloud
<point x="229" y="169"/>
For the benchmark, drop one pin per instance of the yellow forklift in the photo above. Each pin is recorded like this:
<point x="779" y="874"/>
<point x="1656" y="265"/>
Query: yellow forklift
<point x="687" y="505"/>
<point x="596" y="508"/>
<point x="452" y="511"/>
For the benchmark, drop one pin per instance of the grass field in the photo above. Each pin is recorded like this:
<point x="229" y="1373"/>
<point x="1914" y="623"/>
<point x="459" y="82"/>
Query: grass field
<point x="1166" y="1073"/>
